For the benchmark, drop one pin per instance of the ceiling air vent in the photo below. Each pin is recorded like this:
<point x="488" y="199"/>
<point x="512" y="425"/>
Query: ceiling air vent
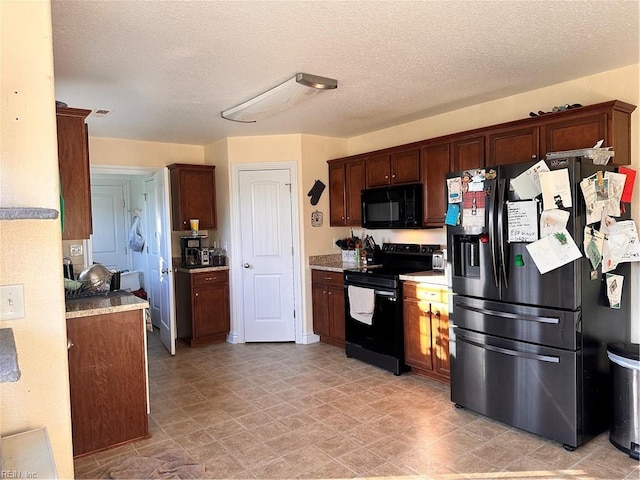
<point x="101" y="113"/>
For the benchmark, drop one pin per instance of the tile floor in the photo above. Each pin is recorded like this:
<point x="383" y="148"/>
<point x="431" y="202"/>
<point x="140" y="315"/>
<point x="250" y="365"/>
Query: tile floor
<point x="306" y="411"/>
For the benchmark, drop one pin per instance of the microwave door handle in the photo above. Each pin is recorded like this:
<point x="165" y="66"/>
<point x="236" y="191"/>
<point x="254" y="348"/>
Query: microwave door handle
<point x="501" y="232"/>
<point x="492" y="230"/>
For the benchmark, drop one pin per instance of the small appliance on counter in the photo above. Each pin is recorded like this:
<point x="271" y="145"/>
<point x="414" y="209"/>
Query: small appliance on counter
<point x="439" y="259"/>
<point x="194" y="251"/>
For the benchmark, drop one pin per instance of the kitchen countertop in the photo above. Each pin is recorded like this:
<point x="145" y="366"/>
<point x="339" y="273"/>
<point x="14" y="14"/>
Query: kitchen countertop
<point x="329" y="263"/>
<point x="112" y="303"/>
<point x="429" y="276"/>
<point x="202" y="269"/>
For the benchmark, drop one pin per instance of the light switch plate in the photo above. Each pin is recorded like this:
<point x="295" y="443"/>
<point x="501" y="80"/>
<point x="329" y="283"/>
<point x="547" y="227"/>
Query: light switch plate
<point x="75" y="250"/>
<point x="11" y="302"/>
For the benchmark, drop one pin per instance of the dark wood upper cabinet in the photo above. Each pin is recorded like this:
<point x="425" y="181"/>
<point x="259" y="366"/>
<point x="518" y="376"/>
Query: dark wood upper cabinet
<point x="193" y="195"/>
<point x="346" y="181"/>
<point x="468" y="153"/>
<point x="393" y="168"/>
<point x="434" y="166"/>
<point x="513" y="146"/>
<point x="428" y="161"/>
<point x="73" y="165"/>
<point x="583" y="127"/>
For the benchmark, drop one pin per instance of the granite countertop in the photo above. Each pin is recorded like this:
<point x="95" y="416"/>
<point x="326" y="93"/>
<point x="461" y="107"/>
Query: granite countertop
<point x="112" y="303"/>
<point x="202" y="269"/>
<point x="329" y="263"/>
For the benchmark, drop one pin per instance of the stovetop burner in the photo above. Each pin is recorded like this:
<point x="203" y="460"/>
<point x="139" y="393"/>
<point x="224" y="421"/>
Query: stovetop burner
<point x="397" y="259"/>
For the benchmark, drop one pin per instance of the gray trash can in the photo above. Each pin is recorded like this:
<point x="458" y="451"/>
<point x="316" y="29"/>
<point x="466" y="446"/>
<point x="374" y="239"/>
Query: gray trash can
<point x="624" y="363"/>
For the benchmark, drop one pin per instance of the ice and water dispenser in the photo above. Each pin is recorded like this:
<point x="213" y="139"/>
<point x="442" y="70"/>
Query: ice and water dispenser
<point x="466" y="261"/>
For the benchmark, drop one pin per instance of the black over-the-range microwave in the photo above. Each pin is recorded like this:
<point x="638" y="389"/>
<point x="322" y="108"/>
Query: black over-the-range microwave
<point x="399" y="206"/>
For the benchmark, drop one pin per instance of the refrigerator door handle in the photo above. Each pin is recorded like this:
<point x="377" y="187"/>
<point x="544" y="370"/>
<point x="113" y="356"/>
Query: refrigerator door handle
<point x="508" y="351"/>
<point x="515" y="316"/>
<point x="492" y="230"/>
<point x="503" y="258"/>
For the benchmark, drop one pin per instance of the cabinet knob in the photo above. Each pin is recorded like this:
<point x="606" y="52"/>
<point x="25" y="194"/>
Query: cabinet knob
<point x="393" y="176"/>
<point x="184" y="222"/>
<point x="69" y="344"/>
<point x="437" y="313"/>
<point x="386" y="176"/>
<point x="197" y="294"/>
<point x="534" y="156"/>
<point x="329" y="293"/>
<point x="208" y="279"/>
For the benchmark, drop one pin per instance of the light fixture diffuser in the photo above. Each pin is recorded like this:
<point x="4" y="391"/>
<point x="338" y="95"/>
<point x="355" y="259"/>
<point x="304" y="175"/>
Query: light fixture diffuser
<point x="279" y="98"/>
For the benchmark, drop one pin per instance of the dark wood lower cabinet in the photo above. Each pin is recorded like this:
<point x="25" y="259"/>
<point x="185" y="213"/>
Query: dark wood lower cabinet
<point x="202" y="306"/>
<point x="107" y="380"/>
<point x="426" y="330"/>
<point x="328" y="306"/>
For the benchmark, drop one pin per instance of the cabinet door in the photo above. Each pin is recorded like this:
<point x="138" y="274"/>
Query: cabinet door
<point x="580" y="132"/>
<point x="193" y="195"/>
<point x="513" y="146"/>
<point x="210" y="311"/>
<point x="378" y="170"/>
<point x="355" y="185"/>
<point x="337" y="195"/>
<point x="440" y="338"/>
<point x="73" y="165"/>
<point x="320" y="302"/>
<point x="107" y="380"/>
<point x="405" y="166"/>
<point x="468" y="153"/>
<point x="417" y="334"/>
<point x="336" y="312"/>
<point x="435" y="165"/>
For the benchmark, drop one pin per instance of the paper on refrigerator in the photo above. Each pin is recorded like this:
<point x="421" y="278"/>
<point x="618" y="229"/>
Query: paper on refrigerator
<point x="554" y="251"/>
<point x="593" y="206"/>
<point x="615" y="182"/>
<point x="614" y="289"/>
<point x="522" y="221"/>
<point x="593" y="246"/>
<point x="556" y="190"/>
<point x="552" y="221"/>
<point x="527" y="184"/>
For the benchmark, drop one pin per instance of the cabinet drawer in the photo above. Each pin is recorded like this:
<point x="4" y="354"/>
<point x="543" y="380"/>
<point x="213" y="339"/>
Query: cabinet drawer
<point x="421" y="291"/>
<point x="327" y="278"/>
<point x="208" y="278"/>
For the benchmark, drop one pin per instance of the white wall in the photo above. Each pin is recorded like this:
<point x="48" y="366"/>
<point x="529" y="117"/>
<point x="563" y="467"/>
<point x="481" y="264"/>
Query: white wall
<point x="29" y="178"/>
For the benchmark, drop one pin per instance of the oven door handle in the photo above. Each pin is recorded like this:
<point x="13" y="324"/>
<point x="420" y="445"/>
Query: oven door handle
<point x="382" y="293"/>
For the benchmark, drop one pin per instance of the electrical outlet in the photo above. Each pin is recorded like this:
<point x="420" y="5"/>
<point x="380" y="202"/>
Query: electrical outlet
<point x="11" y="302"/>
<point x="75" y="250"/>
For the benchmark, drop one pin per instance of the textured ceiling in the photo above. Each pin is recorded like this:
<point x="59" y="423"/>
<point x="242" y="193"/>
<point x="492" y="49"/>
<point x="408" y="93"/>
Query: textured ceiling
<point x="166" y="69"/>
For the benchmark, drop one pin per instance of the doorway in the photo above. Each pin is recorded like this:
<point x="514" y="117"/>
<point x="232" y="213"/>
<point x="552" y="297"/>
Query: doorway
<point x="267" y="307"/>
<point x="147" y="195"/>
<point x="109" y="204"/>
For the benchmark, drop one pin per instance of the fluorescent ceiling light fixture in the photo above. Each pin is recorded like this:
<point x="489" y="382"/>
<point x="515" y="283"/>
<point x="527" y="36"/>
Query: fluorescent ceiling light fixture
<point x="285" y="95"/>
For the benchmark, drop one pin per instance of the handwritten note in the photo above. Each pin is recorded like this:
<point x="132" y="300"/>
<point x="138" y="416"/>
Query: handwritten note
<point x="522" y="221"/>
<point x="554" y="251"/>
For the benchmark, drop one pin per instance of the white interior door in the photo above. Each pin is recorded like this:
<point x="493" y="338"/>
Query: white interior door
<point x="267" y="255"/>
<point x="109" y="239"/>
<point x="164" y="265"/>
<point x="152" y="250"/>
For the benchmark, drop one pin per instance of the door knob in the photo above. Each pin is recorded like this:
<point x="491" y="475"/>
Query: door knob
<point x="246" y="265"/>
<point x="166" y="270"/>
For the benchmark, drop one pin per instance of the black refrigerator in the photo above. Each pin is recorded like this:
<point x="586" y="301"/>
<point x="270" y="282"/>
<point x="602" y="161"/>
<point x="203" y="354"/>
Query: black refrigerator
<point x="529" y="349"/>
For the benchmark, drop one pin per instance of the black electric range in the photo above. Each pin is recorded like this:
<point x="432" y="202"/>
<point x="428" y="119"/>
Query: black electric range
<point x="378" y="337"/>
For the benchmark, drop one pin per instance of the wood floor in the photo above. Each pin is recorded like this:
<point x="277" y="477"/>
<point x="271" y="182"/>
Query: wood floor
<point x="271" y="411"/>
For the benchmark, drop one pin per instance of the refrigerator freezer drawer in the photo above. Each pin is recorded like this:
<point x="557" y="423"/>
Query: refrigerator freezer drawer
<point x="529" y="387"/>
<point x="544" y="326"/>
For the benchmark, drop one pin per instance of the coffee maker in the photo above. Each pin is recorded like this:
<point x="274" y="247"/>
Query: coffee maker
<point x="194" y="251"/>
